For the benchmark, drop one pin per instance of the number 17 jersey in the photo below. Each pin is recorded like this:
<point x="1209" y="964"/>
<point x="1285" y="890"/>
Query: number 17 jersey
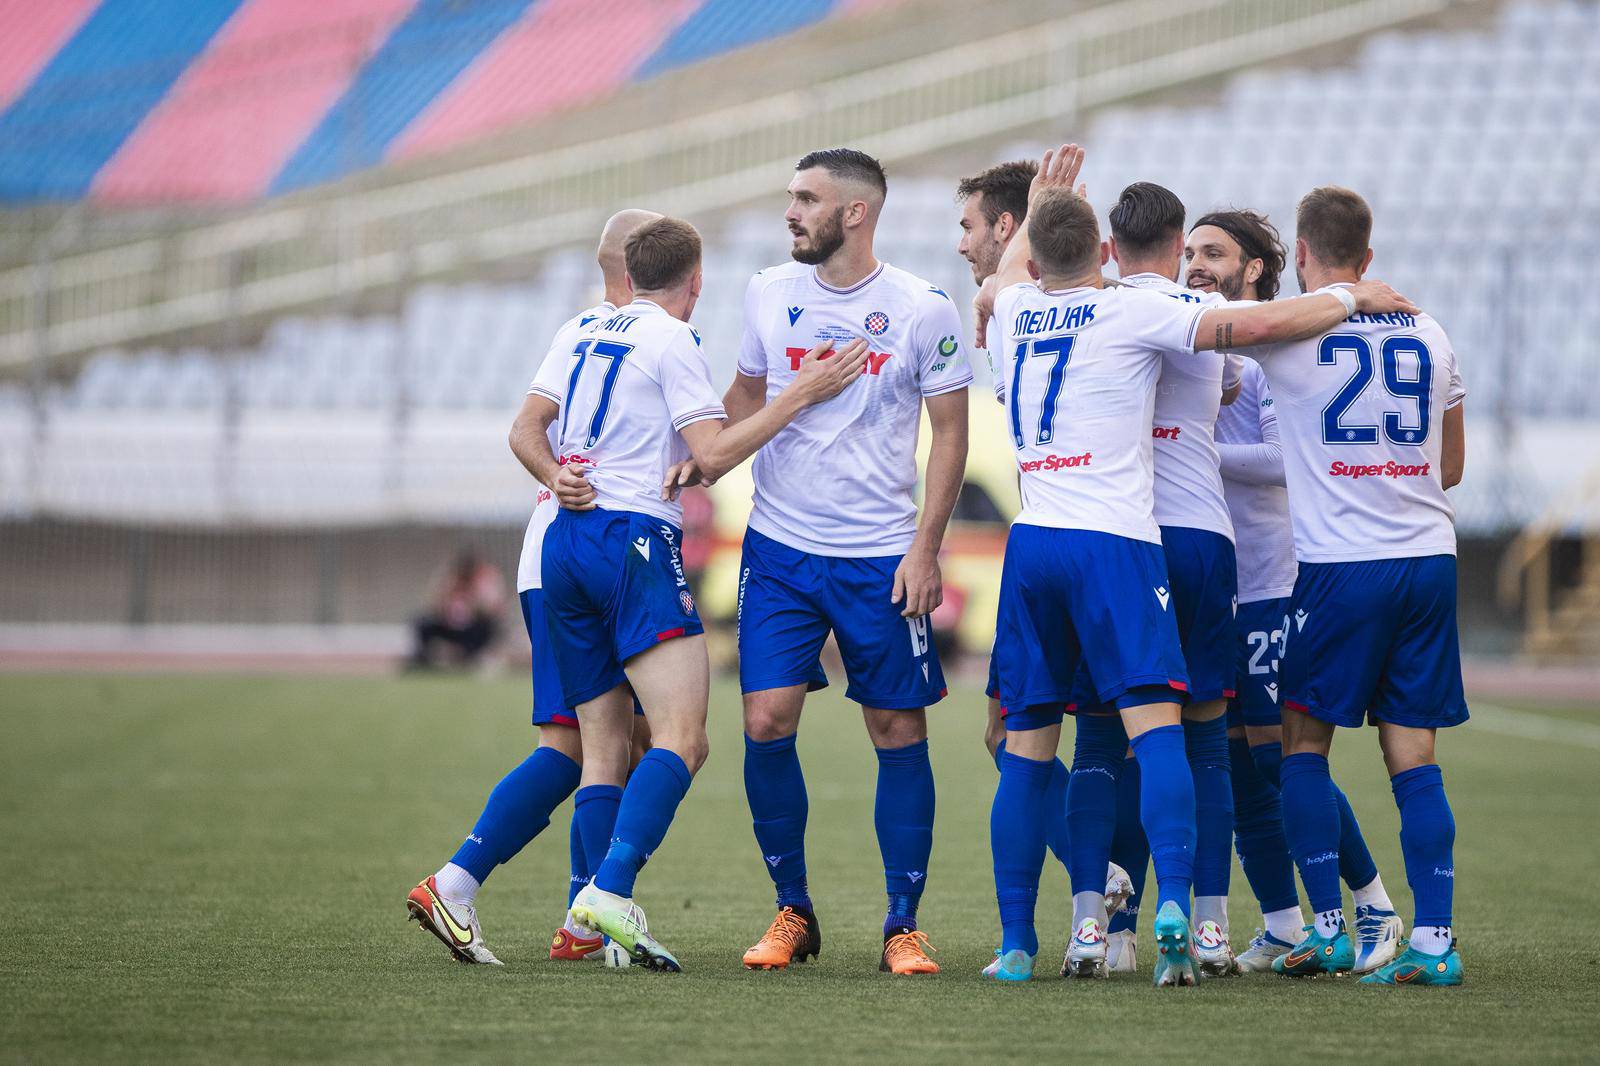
<point x="1080" y="369"/>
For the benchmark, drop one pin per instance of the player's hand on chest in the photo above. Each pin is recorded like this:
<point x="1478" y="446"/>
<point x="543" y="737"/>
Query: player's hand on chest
<point x="889" y="356"/>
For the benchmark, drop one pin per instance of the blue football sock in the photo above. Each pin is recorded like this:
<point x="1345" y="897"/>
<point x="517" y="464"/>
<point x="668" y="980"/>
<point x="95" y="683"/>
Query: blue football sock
<point x="579" y="865"/>
<point x="1206" y="744"/>
<point x="1355" y="860"/>
<point x="1166" y="806"/>
<point x="1258" y="831"/>
<point x="1129" y="849"/>
<point x="518" y="809"/>
<point x="903" y="817"/>
<point x="594" y="814"/>
<point x="657" y="786"/>
<point x="1092" y="797"/>
<point x="1056" y="834"/>
<point x="1427" y="840"/>
<point x="776" y="791"/>
<point x="1269" y="761"/>
<point x="1016" y="837"/>
<point x="1311" y="825"/>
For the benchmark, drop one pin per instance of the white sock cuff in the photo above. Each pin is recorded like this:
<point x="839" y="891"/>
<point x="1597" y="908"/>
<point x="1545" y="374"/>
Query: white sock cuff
<point x="455" y="884"/>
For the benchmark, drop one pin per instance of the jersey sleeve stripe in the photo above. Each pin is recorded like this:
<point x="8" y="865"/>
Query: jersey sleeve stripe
<point x="1194" y="328"/>
<point x="698" y="416"/>
<point x="949" y="387"/>
<point x="537" y="390"/>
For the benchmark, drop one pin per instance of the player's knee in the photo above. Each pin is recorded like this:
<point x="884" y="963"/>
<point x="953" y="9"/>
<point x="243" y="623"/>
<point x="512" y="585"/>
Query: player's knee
<point x="562" y="738"/>
<point x="764" y="725"/>
<point x="896" y="729"/>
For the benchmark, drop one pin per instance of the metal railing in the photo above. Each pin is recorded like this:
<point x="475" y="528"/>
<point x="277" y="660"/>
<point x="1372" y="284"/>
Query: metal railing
<point x="346" y="243"/>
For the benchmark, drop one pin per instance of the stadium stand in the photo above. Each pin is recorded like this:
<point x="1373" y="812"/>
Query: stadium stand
<point x="120" y="100"/>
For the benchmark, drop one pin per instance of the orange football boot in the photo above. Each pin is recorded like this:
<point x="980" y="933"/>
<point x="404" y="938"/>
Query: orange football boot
<point x="567" y="946"/>
<point x="793" y="936"/>
<point x="908" y="953"/>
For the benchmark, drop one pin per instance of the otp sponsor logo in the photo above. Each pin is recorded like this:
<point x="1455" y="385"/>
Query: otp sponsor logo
<point x="1389" y="469"/>
<point x="1165" y="432"/>
<point x="1055" y="462"/>
<point x="875" y="360"/>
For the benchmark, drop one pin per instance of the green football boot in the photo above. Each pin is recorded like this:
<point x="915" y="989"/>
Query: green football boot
<point x="623" y="921"/>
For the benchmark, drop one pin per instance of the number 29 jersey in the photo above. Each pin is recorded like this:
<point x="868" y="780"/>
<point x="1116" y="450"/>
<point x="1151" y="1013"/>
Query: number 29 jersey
<point x="1080" y="369"/>
<point x="627" y="389"/>
<point x="1361" y="416"/>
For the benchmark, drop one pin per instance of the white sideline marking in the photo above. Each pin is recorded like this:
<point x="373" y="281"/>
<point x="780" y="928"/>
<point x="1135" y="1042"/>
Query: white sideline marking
<point x="1531" y="726"/>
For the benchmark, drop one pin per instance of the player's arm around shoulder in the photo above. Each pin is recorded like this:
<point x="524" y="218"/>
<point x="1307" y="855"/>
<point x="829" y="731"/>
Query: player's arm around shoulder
<point x="1228" y="328"/>
<point x="717" y="445"/>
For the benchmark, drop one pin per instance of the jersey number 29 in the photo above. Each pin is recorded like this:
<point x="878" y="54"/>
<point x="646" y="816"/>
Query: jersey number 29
<point x="1418" y="389"/>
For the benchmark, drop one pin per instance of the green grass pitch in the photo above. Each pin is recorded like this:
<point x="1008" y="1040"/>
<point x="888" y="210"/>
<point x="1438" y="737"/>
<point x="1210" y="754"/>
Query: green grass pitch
<point x="213" y="869"/>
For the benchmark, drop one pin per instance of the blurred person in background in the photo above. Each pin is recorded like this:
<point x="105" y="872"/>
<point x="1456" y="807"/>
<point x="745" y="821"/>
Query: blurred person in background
<point x="464" y="615"/>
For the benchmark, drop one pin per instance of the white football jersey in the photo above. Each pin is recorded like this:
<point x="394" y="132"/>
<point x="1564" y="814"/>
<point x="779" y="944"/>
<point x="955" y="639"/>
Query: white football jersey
<point x="1361" y="412"/>
<point x="545" y="507"/>
<point x="1081" y="367"/>
<point x="1258" y="503"/>
<point x="1188" y="396"/>
<point x="631" y="383"/>
<point x="839" y="479"/>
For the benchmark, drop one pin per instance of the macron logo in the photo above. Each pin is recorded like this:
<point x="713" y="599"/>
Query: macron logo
<point x="1300" y="620"/>
<point x="643" y="544"/>
<point x="915" y="875"/>
<point x="1272" y="692"/>
<point x="774" y="860"/>
<point x="1163" y="595"/>
<point x="795" y="313"/>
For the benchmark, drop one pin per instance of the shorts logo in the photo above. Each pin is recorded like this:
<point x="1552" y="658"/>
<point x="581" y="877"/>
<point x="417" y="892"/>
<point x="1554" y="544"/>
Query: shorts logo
<point x="924" y="671"/>
<point x="795" y="313"/>
<point x="876" y="323"/>
<point x="643" y="546"/>
<point x="1272" y="691"/>
<point x="1164" y="596"/>
<point x="1300" y="620"/>
<point x="686" y="600"/>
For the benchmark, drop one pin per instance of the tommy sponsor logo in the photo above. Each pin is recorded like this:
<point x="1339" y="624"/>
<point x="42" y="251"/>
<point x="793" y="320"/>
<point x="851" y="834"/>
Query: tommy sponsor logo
<point x="795" y="313"/>
<point x="1390" y="469"/>
<point x="1054" y="462"/>
<point x="1164" y="596"/>
<point x="1165" y="432"/>
<point x="1327" y="856"/>
<point x="874" y="364"/>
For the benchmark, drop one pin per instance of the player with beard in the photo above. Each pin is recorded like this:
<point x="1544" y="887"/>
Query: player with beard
<point x="835" y="544"/>
<point x="1238" y="254"/>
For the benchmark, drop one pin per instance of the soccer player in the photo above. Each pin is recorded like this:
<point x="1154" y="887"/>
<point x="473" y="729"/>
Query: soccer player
<point x="1237" y="254"/>
<point x="994" y="205"/>
<point x="835" y="543"/>
<point x="635" y="397"/>
<point x="1084" y="581"/>
<point x="519" y="807"/>
<point x="1197" y="541"/>
<point x="1373" y="434"/>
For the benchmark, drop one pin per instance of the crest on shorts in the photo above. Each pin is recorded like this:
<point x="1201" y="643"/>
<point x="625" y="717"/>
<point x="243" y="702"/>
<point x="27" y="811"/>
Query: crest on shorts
<point x="877" y="323"/>
<point x="686" y="600"/>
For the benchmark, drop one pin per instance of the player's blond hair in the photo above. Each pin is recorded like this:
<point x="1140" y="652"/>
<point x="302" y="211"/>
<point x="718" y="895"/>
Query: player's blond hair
<point x="1063" y="235"/>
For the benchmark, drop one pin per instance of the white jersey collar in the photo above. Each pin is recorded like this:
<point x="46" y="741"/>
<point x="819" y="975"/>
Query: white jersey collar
<point x="857" y="287"/>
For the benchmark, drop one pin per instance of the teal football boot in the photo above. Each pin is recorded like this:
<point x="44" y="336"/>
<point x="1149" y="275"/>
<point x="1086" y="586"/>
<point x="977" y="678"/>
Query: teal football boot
<point x="1317" y="954"/>
<point x="1415" y="968"/>
<point x="1014" y="965"/>
<point x="1175" y="964"/>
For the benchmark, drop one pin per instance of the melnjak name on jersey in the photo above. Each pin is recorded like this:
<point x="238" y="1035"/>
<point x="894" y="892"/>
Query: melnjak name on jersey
<point x="1052" y="319"/>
